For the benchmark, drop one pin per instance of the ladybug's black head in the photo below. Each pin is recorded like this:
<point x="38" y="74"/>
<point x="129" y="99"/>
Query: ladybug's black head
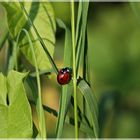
<point x="67" y="69"/>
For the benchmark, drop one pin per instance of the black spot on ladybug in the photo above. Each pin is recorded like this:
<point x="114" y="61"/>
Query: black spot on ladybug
<point x="64" y="76"/>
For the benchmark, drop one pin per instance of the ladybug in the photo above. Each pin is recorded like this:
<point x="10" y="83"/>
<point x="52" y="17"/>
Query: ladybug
<point x="64" y="76"/>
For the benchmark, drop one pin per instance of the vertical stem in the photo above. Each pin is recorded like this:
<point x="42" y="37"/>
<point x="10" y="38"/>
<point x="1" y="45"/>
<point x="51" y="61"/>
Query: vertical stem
<point x="85" y="68"/>
<point x="40" y="111"/>
<point x="16" y="55"/>
<point x="39" y="101"/>
<point x="74" y="68"/>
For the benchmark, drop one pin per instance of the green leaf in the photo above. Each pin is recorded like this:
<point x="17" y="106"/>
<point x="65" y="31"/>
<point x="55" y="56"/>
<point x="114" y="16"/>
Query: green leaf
<point x="66" y="89"/>
<point x="78" y="22"/>
<point x="3" y="27"/>
<point x="91" y="104"/>
<point x="81" y="40"/>
<point x="15" y="118"/>
<point x="3" y="90"/>
<point x="41" y="14"/>
<point x="86" y="129"/>
<point x="83" y="122"/>
<point x="83" y="126"/>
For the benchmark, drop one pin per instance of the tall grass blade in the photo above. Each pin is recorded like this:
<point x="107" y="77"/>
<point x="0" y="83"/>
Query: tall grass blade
<point x="81" y="43"/>
<point x="82" y="125"/>
<point x="78" y="25"/>
<point x="91" y="104"/>
<point x="74" y="68"/>
<point x="83" y="122"/>
<point x="66" y="89"/>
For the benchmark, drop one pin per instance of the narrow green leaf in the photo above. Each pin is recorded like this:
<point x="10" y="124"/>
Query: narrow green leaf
<point x="41" y="14"/>
<point x="81" y="46"/>
<point x="91" y="104"/>
<point x="74" y="67"/>
<point x="84" y="19"/>
<point x="78" y="52"/>
<point x="86" y="129"/>
<point x="81" y="42"/>
<point x="67" y="45"/>
<point x="15" y="118"/>
<point x="66" y="89"/>
<point x="78" y="21"/>
<point x="3" y="27"/>
<point x="78" y="34"/>
<point x="82" y="125"/>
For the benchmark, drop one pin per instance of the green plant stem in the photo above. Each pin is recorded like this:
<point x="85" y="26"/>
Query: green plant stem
<point x="42" y="127"/>
<point x="16" y="53"/>
<point x="16" y="48"/>
<point x="74" y="68"/>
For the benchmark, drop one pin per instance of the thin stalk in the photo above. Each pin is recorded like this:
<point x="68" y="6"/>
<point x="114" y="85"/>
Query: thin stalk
<point x="74" y="68"/>
<point x="16" y="54"/>
<point x="85" y="69"/>
<point x="16" y="48"/>
<point x="11" y="56"/>
<point x="42" y="127"/>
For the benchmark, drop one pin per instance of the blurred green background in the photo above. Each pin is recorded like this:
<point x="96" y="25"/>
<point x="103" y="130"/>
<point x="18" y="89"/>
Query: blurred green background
<point x="114" y="52"/>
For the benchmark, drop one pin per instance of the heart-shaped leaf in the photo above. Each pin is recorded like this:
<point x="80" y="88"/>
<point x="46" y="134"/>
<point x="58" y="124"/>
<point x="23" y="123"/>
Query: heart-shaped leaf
<point x="42" y="16"/>
<point x="15" y="118"/>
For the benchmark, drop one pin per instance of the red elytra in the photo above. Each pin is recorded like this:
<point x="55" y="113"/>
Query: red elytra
<point x="64" y="76"/>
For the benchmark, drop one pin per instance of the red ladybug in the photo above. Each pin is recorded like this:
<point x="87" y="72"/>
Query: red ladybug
<point x="64" y="76"/>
